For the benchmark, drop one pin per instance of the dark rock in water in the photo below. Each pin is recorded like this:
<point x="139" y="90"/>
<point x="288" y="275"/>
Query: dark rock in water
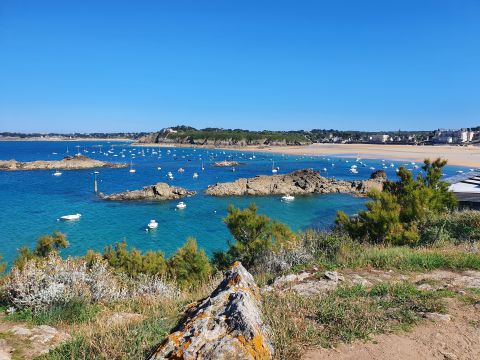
<point x="379" y="175"/>
<point x="158" y="192"/>
<point x="76" y="162"/>
<point x="300" y="182"/>
<point x="225" y="325"/>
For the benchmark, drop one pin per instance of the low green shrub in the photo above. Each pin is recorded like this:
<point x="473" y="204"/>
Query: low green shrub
<point x="75" y="311"/>
<point x="453" y="227"/>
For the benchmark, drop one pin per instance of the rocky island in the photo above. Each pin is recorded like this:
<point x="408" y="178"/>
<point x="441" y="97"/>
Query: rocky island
<point x="158" y="192"/>
<point x="226" y="163"/>
<point x="300" y="182"/>
<point x="76" y="162"/>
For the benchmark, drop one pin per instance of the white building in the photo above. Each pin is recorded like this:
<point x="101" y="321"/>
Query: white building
<point x="379" y="138"/>
<point x="460" y="136"/>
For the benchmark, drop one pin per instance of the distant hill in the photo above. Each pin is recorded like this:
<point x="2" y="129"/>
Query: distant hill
<point x="224" y="137"/>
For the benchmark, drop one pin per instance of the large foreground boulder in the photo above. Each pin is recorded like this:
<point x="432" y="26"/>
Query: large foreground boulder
<point x="158" y="192"/>
<point x="225" y="325"/>
<point x="300" y="182"/>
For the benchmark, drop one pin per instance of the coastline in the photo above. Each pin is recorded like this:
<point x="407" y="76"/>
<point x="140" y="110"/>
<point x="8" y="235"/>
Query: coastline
<point x="468" y="156"/>
<point x="7" y="139"/>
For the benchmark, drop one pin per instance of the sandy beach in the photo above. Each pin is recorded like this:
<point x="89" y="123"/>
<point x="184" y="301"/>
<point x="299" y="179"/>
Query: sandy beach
<point x="456" y="155"/>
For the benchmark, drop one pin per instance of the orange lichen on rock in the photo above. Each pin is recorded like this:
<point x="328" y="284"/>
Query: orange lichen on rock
<point x="256" y="347"/>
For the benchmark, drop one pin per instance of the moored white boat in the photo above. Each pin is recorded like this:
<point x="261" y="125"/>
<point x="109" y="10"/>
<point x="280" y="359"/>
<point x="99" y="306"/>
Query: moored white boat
<point x="288" y="198"/>
<point x="132" y="170"/>
<point x="274" y="169"/>
<point x="71" y="217"/>
<point x="181" y="205"/>
<point x="152" y="224"/>
<point x="57" y="173"/>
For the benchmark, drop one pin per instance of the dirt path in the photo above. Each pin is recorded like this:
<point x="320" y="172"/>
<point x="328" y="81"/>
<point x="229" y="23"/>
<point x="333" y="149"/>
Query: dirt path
<point x="22" y="341"/>
<point x="455" y="339"/>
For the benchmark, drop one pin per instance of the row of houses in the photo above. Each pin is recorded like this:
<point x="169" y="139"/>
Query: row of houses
<point x="460" y="136"/>
<point x="440" y="136"/>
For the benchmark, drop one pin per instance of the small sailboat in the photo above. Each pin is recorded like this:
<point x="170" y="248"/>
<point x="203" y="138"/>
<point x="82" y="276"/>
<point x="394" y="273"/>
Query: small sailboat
<point x="70" y="217"/>
<point x="57" y="173"/>
<point x="274" y="169"/>
<point x="288" y="198"/>
<point x="181" y="205"/>
<point x="132" y="170"/>
<point x="152" y="225"/>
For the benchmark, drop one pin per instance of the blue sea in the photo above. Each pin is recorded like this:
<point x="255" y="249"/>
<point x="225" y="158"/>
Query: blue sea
<point x="32" y="201"/>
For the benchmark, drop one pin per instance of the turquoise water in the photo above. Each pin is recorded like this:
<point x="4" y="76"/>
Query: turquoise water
<point x="32" y="201"/>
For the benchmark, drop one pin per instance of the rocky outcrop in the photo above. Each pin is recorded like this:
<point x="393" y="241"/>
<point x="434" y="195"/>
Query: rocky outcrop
<point x="301" y="182"/>
<point x="379" y="175"/>
<point x="158" y="192"/>
<point x="76" y="162"/>
<point x="225" y="325"/>
<point x="225" y="163"/>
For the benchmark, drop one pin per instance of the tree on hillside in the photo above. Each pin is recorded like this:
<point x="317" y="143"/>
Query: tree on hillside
<point x="190" y="266"/>
<point x="253" y="234"/>
<point x="394" y="213"/>
<point x="46" y="245"/>
<point x="133" y="262"/>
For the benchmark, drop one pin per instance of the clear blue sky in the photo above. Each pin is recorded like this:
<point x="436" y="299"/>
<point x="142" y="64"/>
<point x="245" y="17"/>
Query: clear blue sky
<point x="138" y="65"/>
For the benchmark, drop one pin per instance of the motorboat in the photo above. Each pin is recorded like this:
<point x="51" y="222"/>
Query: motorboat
<point x="181" y="170"/>
<point x="181" y="205"/>
<point x="57" y="173"/>
<point x="70" y="217"/>
<point x="195" y="175"/>
<point x="288" y="198"/>
<point x="170" y="175"/>
<point x="152" y="224"/>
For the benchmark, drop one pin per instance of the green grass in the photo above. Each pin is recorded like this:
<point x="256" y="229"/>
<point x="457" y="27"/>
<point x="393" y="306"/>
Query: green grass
<point x="404" y="258"/>
<point x="472" y="296"/>
<point x="130" y="341"/>
<point x="345" y="314"/>
<point x="73" y="312"/>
